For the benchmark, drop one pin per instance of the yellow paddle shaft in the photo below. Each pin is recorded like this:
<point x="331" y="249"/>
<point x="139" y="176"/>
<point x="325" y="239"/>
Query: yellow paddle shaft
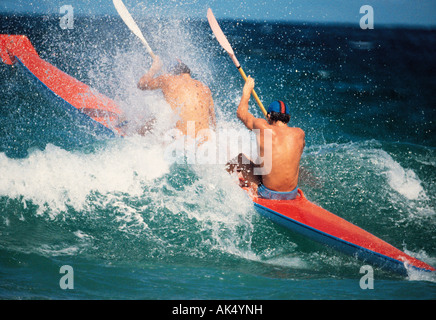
<point x="244" y="76"/>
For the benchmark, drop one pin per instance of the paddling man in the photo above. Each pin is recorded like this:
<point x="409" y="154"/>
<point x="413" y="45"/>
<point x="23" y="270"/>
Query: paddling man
<point x="190" y="98"/>
<point x="281" y="183"/>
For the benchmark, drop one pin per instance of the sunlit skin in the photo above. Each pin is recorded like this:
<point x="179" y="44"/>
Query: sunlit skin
<point x="189" y="98"/>
<point x="285" y="150"/>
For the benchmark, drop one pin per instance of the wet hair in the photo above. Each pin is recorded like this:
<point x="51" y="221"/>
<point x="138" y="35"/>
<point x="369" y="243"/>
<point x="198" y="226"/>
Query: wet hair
<point x="179" y="68"/>
<point x="278" y="116"/>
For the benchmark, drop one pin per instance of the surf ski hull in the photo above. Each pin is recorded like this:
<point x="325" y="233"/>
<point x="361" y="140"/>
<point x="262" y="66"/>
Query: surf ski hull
<point x="71" y="113"/>
<point x="306" y="218"/>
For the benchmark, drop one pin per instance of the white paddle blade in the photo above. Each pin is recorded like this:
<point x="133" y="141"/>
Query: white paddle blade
<point x="128" y="20"/>
<point x="219" y="34"/>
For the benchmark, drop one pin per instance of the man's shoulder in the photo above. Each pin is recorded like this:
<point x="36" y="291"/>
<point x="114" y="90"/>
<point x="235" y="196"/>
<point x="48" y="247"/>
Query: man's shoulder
<point x="164" y="79"/>
<point x="260" y="123"/>
<point x="202" y="86"/>
<point x="169" y="81"/>
<point x="298" y="134"/>
<point x="297" y="130"/>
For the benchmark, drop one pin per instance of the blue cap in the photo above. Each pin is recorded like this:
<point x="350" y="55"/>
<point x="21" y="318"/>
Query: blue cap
<point x="279" y="107"/>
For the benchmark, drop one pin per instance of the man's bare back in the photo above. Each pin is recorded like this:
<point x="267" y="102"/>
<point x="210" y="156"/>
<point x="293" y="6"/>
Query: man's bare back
<point x="284" y="153"/>
<point x="190" y="99"/>
<point x="280" y="147"/>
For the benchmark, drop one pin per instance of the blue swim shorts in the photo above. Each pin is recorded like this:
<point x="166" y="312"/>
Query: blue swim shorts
<point x="266" y="193"/>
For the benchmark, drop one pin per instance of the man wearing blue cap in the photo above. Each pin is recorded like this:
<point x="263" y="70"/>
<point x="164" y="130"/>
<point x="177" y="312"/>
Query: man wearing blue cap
<point x="287" y="144"/>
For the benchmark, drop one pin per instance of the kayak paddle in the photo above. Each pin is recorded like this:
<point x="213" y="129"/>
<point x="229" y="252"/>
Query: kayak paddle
<point x="128" y="20"/>
<point x="219" y="34"/>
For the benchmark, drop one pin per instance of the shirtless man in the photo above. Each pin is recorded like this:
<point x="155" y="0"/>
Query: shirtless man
<point x="191" y="99"/>
<point x="281" y="183"/>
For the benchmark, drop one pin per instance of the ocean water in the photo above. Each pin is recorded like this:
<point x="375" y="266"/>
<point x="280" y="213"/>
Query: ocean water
<point x="133" y="225"/>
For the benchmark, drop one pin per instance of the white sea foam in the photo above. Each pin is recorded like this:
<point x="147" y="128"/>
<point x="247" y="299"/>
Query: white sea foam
<point x="57" y="250"/>
<point x="82" y="235"/>
<point x="416" y="275"/>
<point x="56" y="178"/>
<point x="123" y="179"/>
<point x="403" y="180"/>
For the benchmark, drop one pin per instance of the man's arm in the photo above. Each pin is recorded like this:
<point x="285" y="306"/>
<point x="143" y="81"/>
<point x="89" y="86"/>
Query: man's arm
<point x="212" y="115"/>
<point x="250" y="121"/>
<point x="147" y="81"/>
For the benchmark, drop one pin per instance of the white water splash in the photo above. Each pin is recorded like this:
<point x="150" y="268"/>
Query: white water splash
<point x="403" y="180"/>
<point x="418" y="275"/>
<point x="56" y="178"/>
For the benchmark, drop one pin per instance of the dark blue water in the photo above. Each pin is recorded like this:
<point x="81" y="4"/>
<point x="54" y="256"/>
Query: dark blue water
<point x="134" y="226"/>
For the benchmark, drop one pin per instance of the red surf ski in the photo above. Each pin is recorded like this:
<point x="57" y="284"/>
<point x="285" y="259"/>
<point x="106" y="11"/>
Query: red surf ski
<point x="18" y="49"/>
<point x="302" y="216"/>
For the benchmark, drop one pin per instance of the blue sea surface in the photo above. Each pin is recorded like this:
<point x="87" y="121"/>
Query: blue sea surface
<point x="133" y="225"/>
